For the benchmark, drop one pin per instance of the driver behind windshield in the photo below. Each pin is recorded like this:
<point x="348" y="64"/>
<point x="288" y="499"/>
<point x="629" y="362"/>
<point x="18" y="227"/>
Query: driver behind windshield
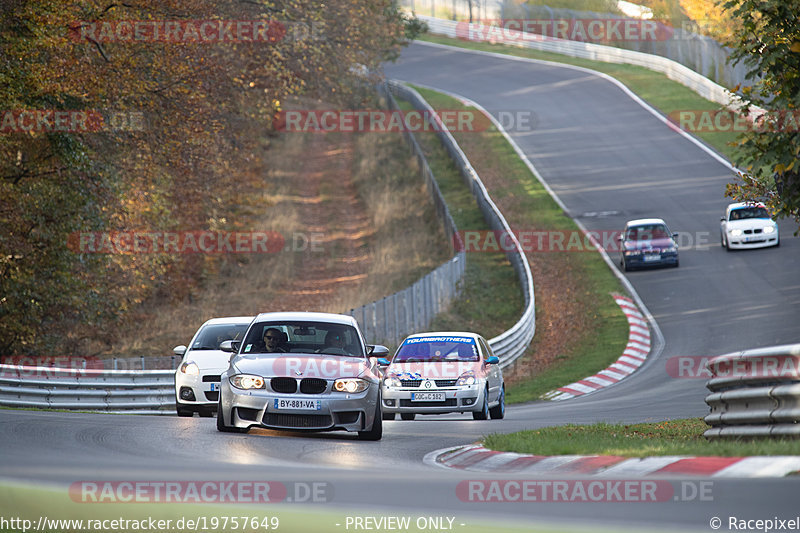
<point x="273" y="338"/>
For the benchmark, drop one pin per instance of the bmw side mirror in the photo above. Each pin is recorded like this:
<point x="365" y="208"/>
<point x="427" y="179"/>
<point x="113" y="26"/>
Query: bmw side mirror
<point x="179" y="350"/>
<point x="229" y="346"/>
<point x="493" y="360"/>
<point x="376" y="350"/>
<point x="722" y="219"/>
<point x="674" y="235"/>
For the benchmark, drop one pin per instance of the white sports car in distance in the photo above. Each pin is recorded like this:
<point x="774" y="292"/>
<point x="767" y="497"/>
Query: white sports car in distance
<point x="747" y="225"/>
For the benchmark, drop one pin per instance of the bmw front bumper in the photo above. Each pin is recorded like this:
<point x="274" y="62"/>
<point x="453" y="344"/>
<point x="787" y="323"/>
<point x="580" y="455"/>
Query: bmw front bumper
<point x="327" y="411"/>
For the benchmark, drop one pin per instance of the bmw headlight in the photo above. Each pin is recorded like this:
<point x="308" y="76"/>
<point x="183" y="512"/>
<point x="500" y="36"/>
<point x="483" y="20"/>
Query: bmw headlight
<point x="247" y="381"/>
<point x="350" y="385"/>
<point x="633" y="252"/>
<point x="769" y="229"/>
<point x="392" y="381"/>
<point x="670" y="250"/>
<point x="190" y="368"/>
<point x="467" y="378"/>
<point x="736" y="232"/>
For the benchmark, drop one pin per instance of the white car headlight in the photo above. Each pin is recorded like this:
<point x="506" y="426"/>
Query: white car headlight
<point x="190" y="368"/>
<point x="769" y="229"/>
<point x="467" y="378"/>
<point x="350" y="385"/>
<point x="736" y="232"/>
<point x="670" y="249"/>
<point x="392" y="381"/>
<point x="247" y="381"/>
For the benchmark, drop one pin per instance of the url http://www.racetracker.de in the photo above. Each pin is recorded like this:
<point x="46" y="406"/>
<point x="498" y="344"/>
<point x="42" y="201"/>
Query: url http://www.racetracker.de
<point x="45" y="524"/>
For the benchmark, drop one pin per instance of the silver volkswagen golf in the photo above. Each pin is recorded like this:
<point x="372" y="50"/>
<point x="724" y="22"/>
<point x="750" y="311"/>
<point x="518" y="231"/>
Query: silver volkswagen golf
<point x="302" y="371"/>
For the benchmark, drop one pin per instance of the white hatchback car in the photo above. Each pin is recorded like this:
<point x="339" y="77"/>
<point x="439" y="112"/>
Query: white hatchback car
<point x="198" y="375"/>
<point x="748" y="225"/>
<point x="444" y="372"/>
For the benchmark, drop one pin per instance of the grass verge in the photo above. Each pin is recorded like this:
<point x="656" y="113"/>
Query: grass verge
<point x="31" y="503"/>
<point x="673" y="437"/>
<point x="667" y="96"/>
<point x="491" y="301"/>
<point x="580" y="329"/>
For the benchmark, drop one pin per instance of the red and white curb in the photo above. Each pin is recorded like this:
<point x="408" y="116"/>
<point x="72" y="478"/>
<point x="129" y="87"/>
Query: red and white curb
<point x="476" y="458"/>
<point x="632" y="358"/>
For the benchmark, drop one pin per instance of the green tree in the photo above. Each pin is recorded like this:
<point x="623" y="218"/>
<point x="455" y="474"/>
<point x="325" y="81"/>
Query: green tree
<point x="769" y="45"/>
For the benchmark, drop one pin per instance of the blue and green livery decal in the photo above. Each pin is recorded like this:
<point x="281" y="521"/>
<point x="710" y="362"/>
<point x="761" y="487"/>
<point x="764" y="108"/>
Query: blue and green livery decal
<point x="417" y="340"/>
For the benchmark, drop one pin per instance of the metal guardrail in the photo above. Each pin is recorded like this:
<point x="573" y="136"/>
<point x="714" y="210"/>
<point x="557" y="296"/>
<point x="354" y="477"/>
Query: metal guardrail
<point x="129" y="391"/>
<point x="697" y="52"/>
<point x="755" y="393"/>
<point x="509" y="345"/>
<point x="609" y="54"/>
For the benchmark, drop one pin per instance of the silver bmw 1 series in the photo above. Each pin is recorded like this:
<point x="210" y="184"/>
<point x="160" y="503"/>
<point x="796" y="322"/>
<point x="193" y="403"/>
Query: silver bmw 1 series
<point x="302" y="372"/>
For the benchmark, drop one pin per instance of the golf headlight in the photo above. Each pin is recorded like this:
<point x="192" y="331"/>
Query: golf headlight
<point x="769" y="229"/>
<point x="670" y="249"/>
<point x="736" y="232"/>
<point x="467" y="378"/>
<point x="392" y="381"/>
<point x="247" y="381"/>
<point x="190" y="368"/>
<point x="350" y="385"/>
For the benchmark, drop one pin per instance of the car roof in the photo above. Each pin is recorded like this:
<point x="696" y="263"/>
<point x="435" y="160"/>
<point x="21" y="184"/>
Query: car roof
<point x="738" y="205"/>
<point x="308" y="316"/>
<point x="644" y="221"/>
<point x="229" y="320"/>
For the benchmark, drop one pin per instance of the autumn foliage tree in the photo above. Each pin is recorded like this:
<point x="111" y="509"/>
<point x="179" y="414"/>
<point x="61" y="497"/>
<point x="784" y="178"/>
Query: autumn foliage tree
<point x="769" y="45"/>
<point x="176" y="170"/>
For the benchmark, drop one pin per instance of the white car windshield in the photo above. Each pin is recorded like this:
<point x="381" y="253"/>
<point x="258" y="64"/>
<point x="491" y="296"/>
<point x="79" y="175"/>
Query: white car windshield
<point x="212" y="335"/>
<point x="749" y="212"/>
<point x="436" y="349"/>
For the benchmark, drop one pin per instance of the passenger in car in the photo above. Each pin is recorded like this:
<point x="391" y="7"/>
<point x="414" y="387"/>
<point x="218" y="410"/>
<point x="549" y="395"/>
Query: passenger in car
<point x="334" y="341"/>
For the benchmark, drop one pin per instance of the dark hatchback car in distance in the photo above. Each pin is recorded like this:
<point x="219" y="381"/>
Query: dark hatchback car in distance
<point x="647" y="242"/>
